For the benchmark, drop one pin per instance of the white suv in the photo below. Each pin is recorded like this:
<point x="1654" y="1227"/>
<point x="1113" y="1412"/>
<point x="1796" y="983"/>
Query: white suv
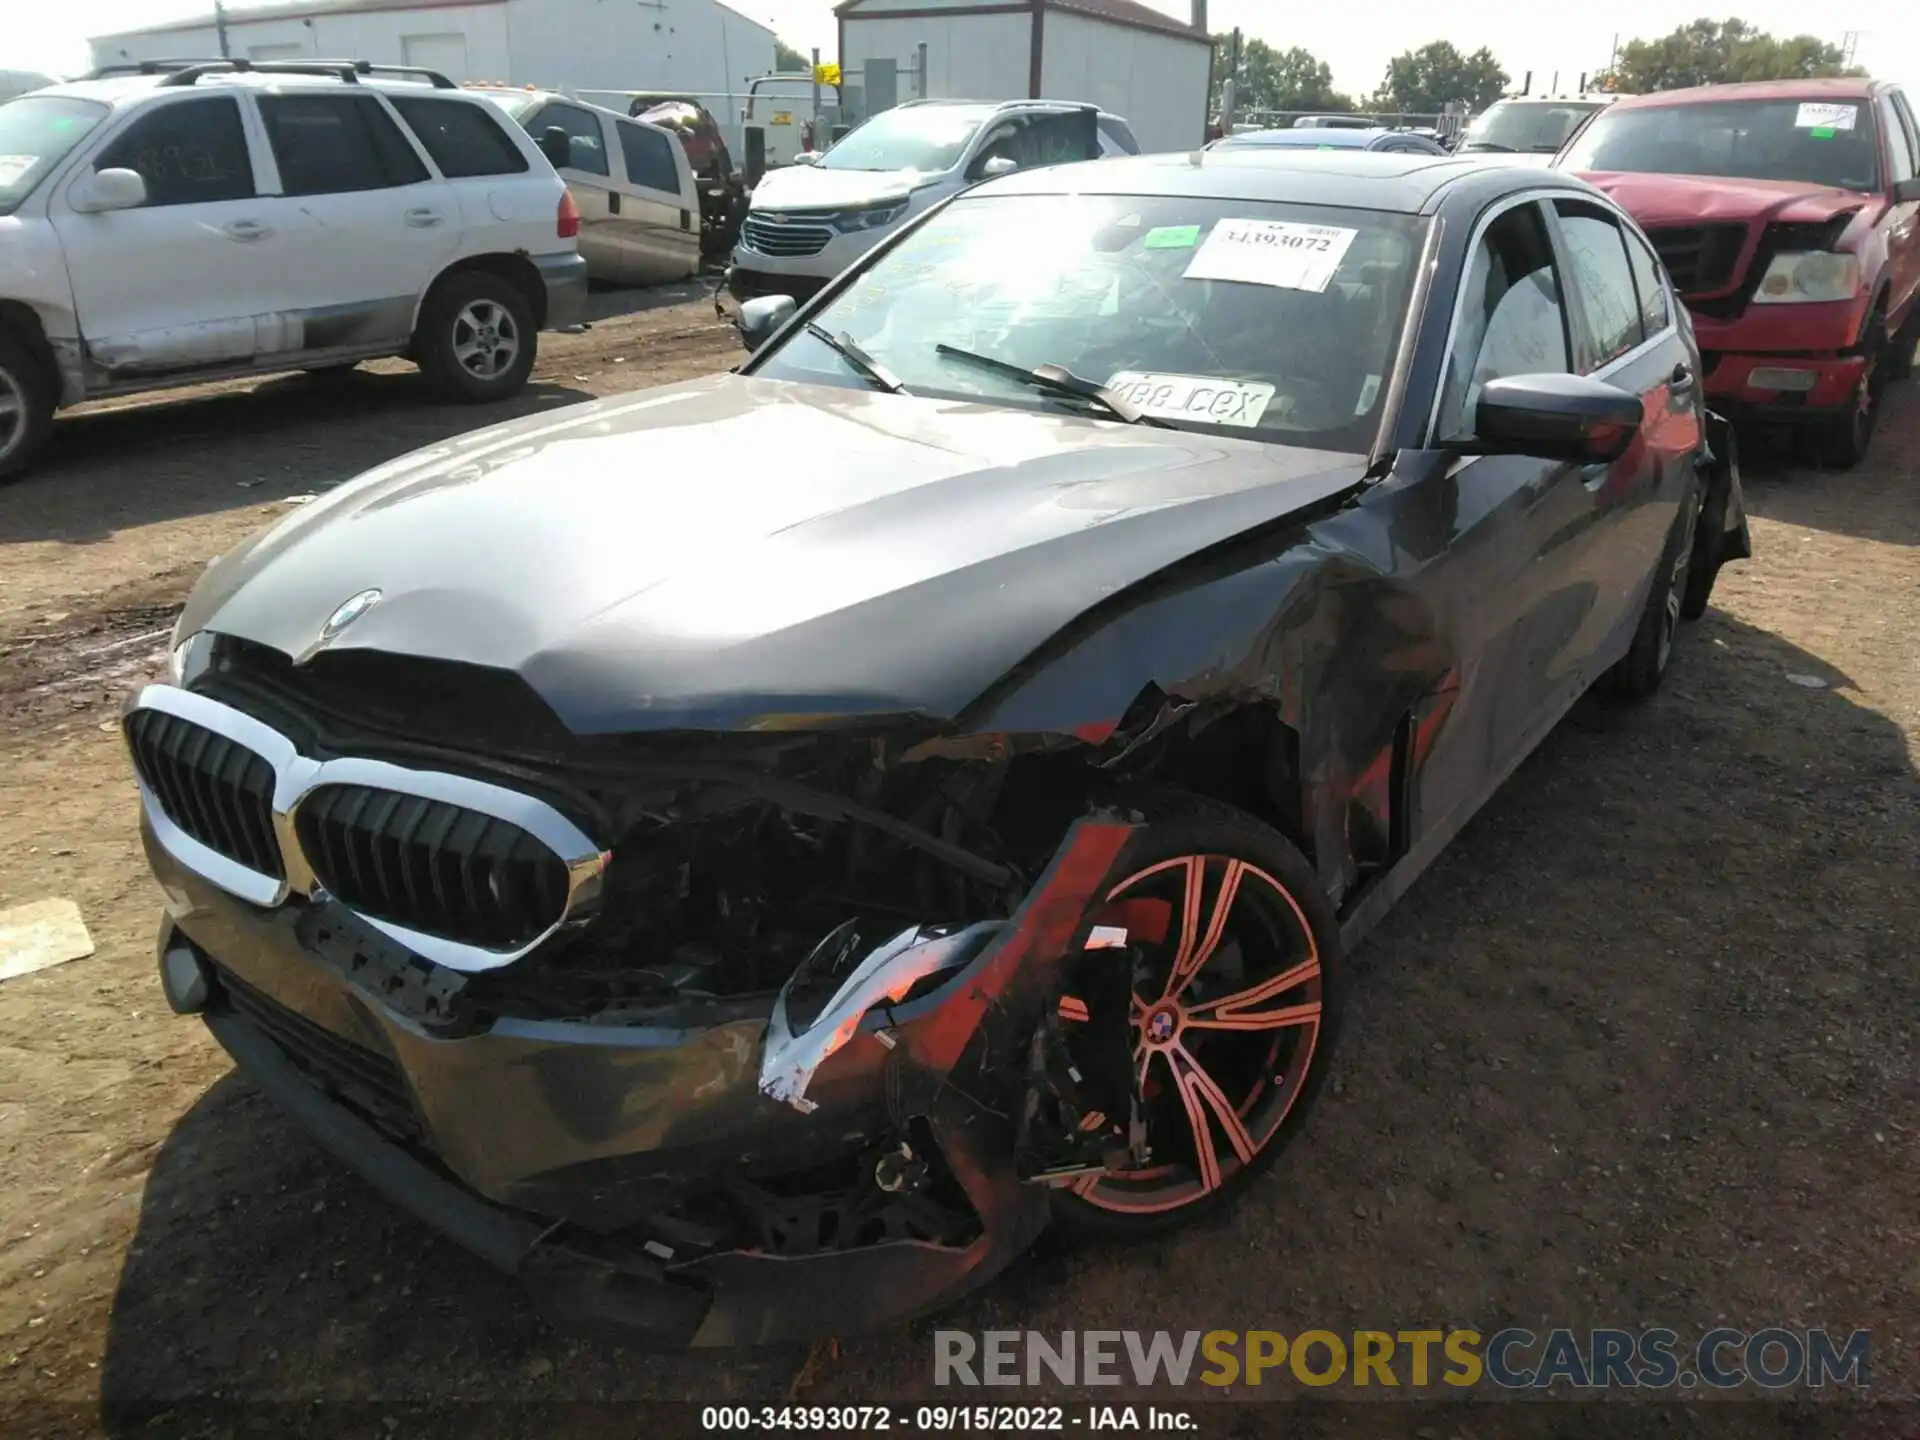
<point x="809" y="221"/>
<point x="218" y="219"/>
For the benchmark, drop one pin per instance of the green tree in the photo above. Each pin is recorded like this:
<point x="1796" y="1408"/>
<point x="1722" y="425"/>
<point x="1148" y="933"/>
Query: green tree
<point x="1721" y="52"/>
<point x="1425" y="81"/>
<point x="1270" y="79"/>
<point x="786" y="58"/>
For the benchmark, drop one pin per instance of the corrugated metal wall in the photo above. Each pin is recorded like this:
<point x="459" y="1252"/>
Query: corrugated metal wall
<point x="973" y="57"/>
<point x="1158" y="82"/>
<point x="692" y="45"/>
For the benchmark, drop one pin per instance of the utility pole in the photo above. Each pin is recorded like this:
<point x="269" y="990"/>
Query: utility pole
<point x="220" y="27"/>
<point x="1229" y="91"/>
<point x="1849" y="45"/>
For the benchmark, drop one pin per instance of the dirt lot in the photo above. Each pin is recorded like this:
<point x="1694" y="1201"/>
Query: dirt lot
<point x="1640" y="1049"/>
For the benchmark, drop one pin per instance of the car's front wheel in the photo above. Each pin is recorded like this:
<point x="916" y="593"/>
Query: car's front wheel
<point x="26" y="407"/>
<point x="1842" y="442"/>
<point x="476" y="339"/>
<point x="1236" y="988"/>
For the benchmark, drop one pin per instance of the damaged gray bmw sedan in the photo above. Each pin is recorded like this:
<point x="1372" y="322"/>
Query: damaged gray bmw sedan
<point x="745" y="856"/>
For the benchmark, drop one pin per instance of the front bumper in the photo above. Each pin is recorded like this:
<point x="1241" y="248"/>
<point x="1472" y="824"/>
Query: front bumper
<point x="553" y="1150"/>
<point x="565" y="275"/>
<point x="1783" y="362"/>
<point x="1796" y="386"/>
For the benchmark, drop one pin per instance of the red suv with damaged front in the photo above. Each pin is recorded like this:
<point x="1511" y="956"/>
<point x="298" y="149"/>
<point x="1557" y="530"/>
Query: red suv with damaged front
<point x="1788" y="213"/>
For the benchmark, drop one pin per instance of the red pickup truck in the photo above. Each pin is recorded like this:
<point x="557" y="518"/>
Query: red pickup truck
<point x="1788" y="214"/>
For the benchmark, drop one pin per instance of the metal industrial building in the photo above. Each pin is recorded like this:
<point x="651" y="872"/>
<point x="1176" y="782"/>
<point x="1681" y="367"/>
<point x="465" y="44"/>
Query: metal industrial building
<point x="1124" y="56"/>
<point x="697" y="46"/>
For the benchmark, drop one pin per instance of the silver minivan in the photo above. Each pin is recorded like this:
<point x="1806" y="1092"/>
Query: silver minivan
<point x="639" y="209"/>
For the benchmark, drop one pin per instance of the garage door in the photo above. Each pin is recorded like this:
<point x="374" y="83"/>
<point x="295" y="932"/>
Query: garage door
<point x="446" y="53"/>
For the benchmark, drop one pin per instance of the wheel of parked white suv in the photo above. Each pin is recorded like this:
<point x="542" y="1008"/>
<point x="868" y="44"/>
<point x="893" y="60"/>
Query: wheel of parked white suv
<point x="1236" y="989"/>
<point x="476" y="339"/>
<point x="26" y="407"/>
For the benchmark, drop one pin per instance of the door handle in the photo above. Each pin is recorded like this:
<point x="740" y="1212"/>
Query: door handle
<point x="245" y="230"/>
<point x="424" y="219"/>
<point x="613" y="202"/>
<point x="1681" y="380"/>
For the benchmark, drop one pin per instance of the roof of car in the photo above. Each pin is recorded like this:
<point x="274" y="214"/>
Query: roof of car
<point x="1351" y="179"/>
<point x="1845" y="87"/>
<point x="126" y="89"/>
<point x="1308" y="139"/>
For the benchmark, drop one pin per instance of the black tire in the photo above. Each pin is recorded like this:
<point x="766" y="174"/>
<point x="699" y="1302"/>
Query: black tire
<point x="27" y="398"/>
<point x="1842" y="442"/>
<point x="476" y="340"/>
<point x="1640" y="671"/>
<point x="1277" y="884"/>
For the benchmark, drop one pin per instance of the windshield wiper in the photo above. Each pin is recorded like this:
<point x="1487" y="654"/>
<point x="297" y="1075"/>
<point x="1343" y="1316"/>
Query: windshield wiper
<point x="1488" y="145"/>
<point x="870" y="369"/>
<point x="1058" y="380"/>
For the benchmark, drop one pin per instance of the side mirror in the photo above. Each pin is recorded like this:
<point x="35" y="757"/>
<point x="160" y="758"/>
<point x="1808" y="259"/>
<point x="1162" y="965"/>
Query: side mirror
<point x="807" y="157"/>
<point x="997" y="165"/>
<point x="557" y="146"/>
<point x="108" y="190"/>
<point x="1906" y="192"/>
<point x="760" y="317"/>
<point x="1556" y="417"/>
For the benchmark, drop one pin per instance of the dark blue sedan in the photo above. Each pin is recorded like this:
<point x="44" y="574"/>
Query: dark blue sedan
<point x="1401" y="141"/>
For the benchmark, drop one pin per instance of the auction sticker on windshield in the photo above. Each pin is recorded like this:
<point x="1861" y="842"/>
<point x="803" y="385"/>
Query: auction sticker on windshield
<point x="1194" y="397"/>
<point x="1817" y="116"/>
<point x="1279" y="253"/>
<point x="12" y="167"/>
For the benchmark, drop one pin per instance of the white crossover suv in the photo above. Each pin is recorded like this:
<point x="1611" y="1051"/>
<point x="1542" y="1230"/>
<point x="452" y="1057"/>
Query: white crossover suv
<point x="170" y="223"/>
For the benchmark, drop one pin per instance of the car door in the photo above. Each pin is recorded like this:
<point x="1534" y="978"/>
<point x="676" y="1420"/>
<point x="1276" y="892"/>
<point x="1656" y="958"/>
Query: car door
<point x="190" y="279"/>
<point x="1617" y="520"/>
<point x="1512" y="519"/>
<point x="659" y="180"/>
<point x="604" y="232"/>
<point x="1903" y="218"/>
<point x="364" y="224"/>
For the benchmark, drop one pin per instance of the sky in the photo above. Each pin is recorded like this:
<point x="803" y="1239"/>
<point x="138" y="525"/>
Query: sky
<point x="1355" y="40"/>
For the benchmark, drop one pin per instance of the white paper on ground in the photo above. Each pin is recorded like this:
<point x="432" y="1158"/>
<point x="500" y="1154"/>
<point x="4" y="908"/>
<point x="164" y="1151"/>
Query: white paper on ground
<point x="1815" y="115"/>
<point x="1278" y="253"/>
<point x="1239" y="403"/>
<point x="40" y="935"/>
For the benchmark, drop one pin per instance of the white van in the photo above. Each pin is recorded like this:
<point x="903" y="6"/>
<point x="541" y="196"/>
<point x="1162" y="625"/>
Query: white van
<point x="639" y="209"/>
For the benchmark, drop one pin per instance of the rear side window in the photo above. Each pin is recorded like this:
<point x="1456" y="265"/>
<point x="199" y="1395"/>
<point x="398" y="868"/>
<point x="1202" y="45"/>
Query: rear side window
<point x="1654" y="314"/>
<point x="1597" y="256"/>
<point x="464" y="139"/>
<point x="192" y="152"/>
<point x="1116" y="138"/>
<point x="586" y="143"/>
<point x="649" y="156"/>
<point x="337" y="144"/>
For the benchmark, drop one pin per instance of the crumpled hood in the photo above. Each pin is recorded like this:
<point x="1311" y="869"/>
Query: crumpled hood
<point x="809" y="187"/>
<point x="1709" y="200"/>
<point x="720" y="552"/>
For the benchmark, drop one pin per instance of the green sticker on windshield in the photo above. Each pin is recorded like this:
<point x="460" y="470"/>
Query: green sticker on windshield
<point x="1172" y="237"/>
<point x="1822" y="132"/>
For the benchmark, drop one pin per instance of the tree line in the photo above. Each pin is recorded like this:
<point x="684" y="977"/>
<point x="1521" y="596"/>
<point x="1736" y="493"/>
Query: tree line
<point x="1426" y="80"/>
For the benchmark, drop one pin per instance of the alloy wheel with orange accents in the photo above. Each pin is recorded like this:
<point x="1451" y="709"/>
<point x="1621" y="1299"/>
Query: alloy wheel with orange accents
<point x="1235" y="956"/>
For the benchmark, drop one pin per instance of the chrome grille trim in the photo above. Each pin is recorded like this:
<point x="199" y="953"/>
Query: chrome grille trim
<point x="296" y="776"/>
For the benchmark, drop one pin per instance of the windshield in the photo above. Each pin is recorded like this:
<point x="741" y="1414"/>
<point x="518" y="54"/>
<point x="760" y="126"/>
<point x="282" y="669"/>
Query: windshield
<point x="1526" y="127"/>
<point x="1248" y="318"/>
<point x="36" y="132"/>
<point x="926" y="138"/>
<point x="1814" y="142"/>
